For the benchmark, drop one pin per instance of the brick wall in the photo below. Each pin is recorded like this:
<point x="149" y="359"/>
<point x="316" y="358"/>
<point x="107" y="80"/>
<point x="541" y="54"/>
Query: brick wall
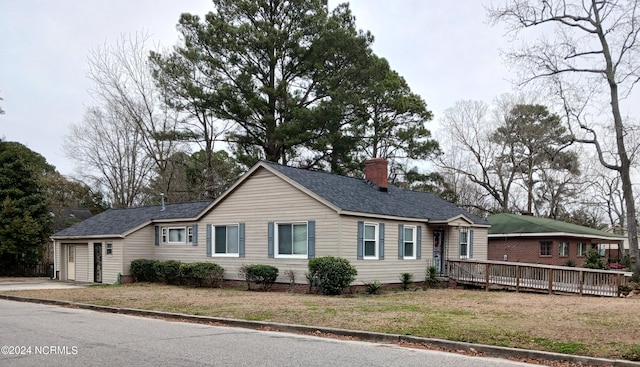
<point x="527" y="250"/>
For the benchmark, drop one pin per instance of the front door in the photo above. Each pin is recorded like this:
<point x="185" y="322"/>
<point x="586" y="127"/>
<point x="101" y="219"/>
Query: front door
<point x="71" y="262"/>
<point x="97" y="262"/>
<point x="438" y="246"/>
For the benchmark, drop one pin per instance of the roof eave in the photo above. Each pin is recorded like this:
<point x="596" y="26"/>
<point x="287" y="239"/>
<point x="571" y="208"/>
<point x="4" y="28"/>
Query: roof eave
<point x="555" y="234"/>
<point x="93" y="236"/>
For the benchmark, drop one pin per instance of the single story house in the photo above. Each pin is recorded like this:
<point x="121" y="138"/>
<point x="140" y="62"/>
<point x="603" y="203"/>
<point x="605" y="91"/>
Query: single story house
<point x="529" y="239"/>
<point x="281" y="216"/>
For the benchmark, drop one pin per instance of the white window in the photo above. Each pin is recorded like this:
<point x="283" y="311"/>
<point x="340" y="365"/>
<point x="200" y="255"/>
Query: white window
<point x="177" y="235"/>
<point x="226" y="240"/>
<point x="409" y="246"/>
<point x="464" y="243"/>
<point x="563" y="249"/>
<point x="109" y="249"/>
<point x="291" y="240"/>
<point x="371" y="238"/>
<point x="164" y="235"/>
<point x="582" y="248"/>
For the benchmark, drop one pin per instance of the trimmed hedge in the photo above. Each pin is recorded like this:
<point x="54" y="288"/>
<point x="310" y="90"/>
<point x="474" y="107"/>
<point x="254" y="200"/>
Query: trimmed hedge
<point x="331" y="274"/>
<point x="262" y="275"/>
<point x="143" y="270"/>
<point x="168" y="271"/>
<point x="201" y="274"/>
<point x="174" y="272"/>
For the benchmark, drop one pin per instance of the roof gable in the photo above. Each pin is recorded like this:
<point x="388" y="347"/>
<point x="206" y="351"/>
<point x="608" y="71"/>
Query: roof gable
<point x="357" y="195"/>
<point x="118" y="222"/>
<point x="515" y="224"/>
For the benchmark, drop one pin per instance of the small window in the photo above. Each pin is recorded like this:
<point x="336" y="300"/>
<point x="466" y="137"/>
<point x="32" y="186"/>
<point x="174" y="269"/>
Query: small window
<point x="545" y="248"/>
<point x="464" y="243"/>
<point x="190" y="234"/>
<point x="582" y="248"/>
<point x="177" y="235"/>
<point x="409" y="246"/>
<point x="291" y="240"/>
<point x="226" y="240"/>
<point x="371" y="234"/>
<point x="109" y="249"/>
<point x="563" y="249"/>
<point x="164" y="235"/>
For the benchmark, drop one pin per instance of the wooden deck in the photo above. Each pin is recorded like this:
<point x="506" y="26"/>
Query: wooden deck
<point x="536" y="277"/>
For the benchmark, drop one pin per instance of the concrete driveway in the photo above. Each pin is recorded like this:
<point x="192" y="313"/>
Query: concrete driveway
<point x="18" y="284"/>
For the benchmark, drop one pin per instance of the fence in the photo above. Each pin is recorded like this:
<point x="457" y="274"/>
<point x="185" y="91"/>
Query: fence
<point x="536" y="277"/>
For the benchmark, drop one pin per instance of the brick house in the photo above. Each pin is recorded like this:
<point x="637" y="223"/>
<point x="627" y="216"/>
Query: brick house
<point x="529" y="239"/>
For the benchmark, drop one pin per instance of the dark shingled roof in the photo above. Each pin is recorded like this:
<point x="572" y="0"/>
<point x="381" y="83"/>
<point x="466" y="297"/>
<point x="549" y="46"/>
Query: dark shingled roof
<point x="358" y="195"/>
<point x="115" y="222"/>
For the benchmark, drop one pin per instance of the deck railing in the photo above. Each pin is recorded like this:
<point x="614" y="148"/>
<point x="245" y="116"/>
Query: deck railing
<point x="537" y="277"/>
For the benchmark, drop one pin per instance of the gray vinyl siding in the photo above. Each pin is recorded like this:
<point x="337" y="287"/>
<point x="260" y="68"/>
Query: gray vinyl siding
<point x="137" y="245"/>
<point x="112" y="264"/>
<point x="184" y="252"/>
<point x="480" y="247"/>
<point x="82" y="264"/>
<point x="284" y="204"/>
<point x="389" y="269"/>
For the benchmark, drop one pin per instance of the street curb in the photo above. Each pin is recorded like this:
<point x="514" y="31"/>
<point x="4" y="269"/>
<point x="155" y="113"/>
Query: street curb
<point x="486" y="350"/>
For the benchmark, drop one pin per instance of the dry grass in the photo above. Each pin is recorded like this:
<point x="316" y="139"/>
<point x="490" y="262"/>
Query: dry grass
<point x="592" y="326"/>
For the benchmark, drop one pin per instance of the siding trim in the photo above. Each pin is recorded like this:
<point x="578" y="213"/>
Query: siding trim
<point x="270" y="239"/>
<point x="209" y="250"/>
<point x="360" y="240"/>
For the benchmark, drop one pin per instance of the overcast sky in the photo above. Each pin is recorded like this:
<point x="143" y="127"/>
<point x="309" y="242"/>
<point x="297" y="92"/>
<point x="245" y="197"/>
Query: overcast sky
<point x="444" y="49"/>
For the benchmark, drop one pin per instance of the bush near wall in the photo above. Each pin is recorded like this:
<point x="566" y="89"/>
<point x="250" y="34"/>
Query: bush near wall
<point x="174" y="272"/>
<point x="331" y="275"/>
<point x="168" y="271"/>
<point x="260" y="274"/>
<point x="201" y="274"/>
<point x="143" y="270"/>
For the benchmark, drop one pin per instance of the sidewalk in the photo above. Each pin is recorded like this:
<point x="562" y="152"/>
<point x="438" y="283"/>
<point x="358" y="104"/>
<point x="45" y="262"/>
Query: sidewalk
<point x="20" y="284"/>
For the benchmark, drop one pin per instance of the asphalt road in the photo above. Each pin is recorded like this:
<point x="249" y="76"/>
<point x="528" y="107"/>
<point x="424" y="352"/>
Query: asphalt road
<point x="41" y="335"/>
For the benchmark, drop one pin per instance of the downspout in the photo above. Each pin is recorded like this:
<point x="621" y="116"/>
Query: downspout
<point x="53" y="276"/>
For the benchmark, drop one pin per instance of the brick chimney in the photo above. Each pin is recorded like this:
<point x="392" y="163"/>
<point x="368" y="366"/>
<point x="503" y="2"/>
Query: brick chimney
<point x="376" y="171"/>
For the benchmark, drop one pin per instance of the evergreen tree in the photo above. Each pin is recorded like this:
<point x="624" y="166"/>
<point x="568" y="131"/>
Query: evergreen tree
<point x="25" y="221"/>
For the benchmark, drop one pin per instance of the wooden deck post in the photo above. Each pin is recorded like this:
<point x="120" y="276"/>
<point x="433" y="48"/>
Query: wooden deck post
<point x="517" y="278"/>
<point x="550" y="280"/>
<point x="486" y="276"/>
<point x="581" y="281"/>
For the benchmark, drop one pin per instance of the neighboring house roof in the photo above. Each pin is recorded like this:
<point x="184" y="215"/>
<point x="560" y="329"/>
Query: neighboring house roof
<point x="359" y="196"/>
<point x="118" y="222"/>
<point x="515" y="225"/>
<point x="68" y="216"/>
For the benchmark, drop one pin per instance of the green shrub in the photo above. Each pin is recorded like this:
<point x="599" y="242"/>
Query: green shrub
<point x="262" y="275"/>
<point x="143" y="270"/>
<point x="201" y="274"/>
<point x="431" y="277"/>
<point x="571" y="263"/>
<point x="168" y="271"/>
<point x="374" y="287"/>
<point x="593" y="260"/>
<point x="331" y="274"/>
<point x="406" y="279"/>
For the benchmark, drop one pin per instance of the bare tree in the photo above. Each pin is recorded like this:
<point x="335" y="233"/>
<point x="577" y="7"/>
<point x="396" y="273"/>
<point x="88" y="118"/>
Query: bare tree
<point x="594" y="55"/>
<point x="109" y="150"/>
<point x="471" y="154"/>
<point x="122" y="79"/>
